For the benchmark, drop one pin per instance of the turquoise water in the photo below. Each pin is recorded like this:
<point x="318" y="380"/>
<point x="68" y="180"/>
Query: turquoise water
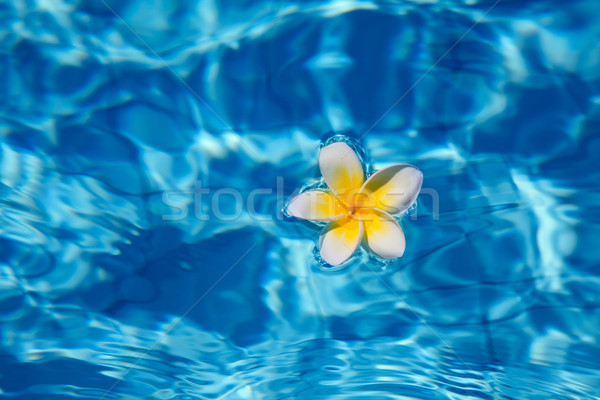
<point x="122" y="278"/>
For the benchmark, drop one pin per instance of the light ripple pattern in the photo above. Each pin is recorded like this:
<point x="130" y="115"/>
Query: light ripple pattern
<point x="120" y="278"/>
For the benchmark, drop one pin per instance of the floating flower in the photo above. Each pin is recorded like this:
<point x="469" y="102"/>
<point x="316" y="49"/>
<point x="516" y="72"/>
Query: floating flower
<point x="358" y="210"/>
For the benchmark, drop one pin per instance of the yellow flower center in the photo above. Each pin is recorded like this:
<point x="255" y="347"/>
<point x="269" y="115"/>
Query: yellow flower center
<point x="358" y="204"/>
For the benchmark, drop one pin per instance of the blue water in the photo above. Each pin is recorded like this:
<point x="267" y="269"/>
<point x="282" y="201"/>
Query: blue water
<point x="120" y="278"/>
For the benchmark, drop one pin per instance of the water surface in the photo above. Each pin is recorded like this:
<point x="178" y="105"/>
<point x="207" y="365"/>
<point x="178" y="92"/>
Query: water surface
<point x="107" y="291"/>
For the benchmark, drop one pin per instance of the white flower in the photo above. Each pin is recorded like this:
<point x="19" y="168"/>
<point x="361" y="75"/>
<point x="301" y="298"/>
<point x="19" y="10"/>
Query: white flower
<point x="358" y="210"/>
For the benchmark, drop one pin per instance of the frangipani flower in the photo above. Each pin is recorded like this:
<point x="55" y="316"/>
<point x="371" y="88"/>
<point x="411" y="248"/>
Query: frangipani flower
<point x="358" y="210"/>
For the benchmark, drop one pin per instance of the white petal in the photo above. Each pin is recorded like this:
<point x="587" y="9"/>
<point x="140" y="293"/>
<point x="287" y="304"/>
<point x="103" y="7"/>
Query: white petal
<point x="340" y="239"/>
<point x="315" y="205"/>
<point x="394" y="188"/>
<point x="341" y="169"/>
<point x="383" y="235"/>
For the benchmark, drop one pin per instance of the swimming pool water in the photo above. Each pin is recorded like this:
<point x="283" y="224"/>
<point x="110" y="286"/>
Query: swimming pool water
<point x="147" y="148"/>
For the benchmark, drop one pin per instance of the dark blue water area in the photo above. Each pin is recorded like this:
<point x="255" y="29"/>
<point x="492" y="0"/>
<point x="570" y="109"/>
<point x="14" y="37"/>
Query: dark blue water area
<point x="147" y="150"/>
